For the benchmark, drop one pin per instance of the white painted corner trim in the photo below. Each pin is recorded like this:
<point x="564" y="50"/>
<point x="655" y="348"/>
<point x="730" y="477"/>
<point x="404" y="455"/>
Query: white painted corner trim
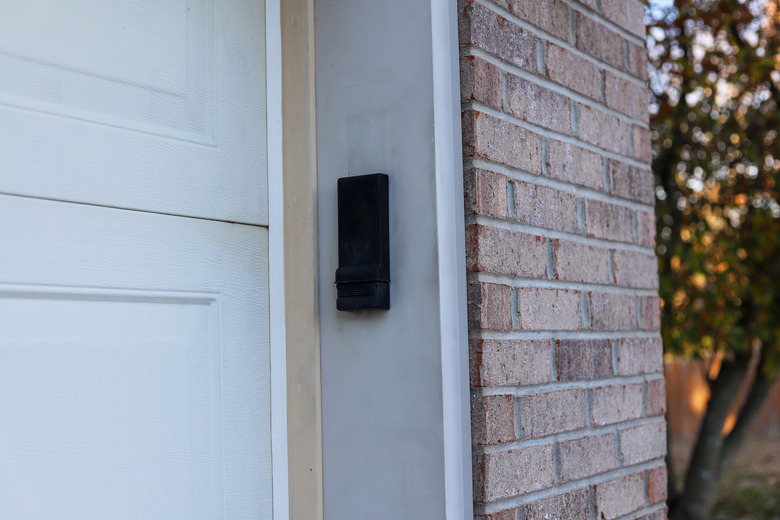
<point x="452" y="261"/>
<point x="273" y="38"/>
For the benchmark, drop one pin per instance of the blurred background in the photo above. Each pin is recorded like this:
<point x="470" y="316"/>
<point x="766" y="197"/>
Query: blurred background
<point x="714" y="79"/>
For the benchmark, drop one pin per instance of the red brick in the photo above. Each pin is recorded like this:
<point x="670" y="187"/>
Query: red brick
<point x="628" y="14"/>
<point x="600" y="42"/>
<point x="541" y="106"/>
<point x="651" y="313"/>
<point x="569" y="506"/>
<point x="642" y="149"/>
<point x="481" y="81"/>
<point x="637" y="61"/>
<point x="640" y="356"/>
<point x="506" y="474"/>
<point x="581" y="263"/>
<point x="620" y="496"/>
<point x="580" y="458"/>
<point x="603" y="130"/>
<point x="612" y="311"/>
<point x="579" y="359"/>
<point x="626" y="97"/>
<point x="545" y="207"/>
<point x="485" y="193"/>
<point x="552" y="15"/>
<point x="489" y="306"/>
<point x="570" y="163"/>
<point x="495" y="34"/>
<point x="509" y="362"/>
<point x="609" y="221"/>
<point x="646" y="228"/>
<point x="634" y="269"/>
<point x="656" y="397"/>
<point x="631" y="183"/>
<point x="501" y="251"/>
<point x="616" y="403"/>
<point x="492" y="419"/>
<point x="657" y="485"/>
<point x="507" y="514"/>
<point x="552" y="412"/>
<point x="662" y="514"/>
<point x="573" y="71"/>
<point x="500" y="141"/>
<point x="643" y="443"/>
<point x="548" y="309"/>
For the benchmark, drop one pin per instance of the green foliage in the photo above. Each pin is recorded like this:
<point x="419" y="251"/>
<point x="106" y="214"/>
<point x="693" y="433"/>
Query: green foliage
<point x="715" y="74"/>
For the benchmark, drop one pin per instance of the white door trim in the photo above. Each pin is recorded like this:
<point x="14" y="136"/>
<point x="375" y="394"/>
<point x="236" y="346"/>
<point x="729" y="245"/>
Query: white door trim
<point x="273" y="38"/>
<point x="452" y="261"/>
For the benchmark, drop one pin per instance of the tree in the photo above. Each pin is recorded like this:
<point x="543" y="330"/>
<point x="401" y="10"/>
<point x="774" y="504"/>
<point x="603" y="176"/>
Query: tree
<point x="715" y="73"/>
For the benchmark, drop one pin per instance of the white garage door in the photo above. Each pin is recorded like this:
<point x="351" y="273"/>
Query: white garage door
<point x="134" y="359"/>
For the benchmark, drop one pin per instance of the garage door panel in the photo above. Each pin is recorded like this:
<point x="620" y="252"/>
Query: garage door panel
<point x="154" y="106"/>
<point x="111" y="397"/>
<point x="136" y="371"/>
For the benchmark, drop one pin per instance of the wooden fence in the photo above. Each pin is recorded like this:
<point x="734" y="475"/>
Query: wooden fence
<point x="687" y="394"/>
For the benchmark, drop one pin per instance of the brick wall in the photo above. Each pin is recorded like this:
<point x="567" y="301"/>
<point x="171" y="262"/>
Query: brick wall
<point x="566" y="373"/>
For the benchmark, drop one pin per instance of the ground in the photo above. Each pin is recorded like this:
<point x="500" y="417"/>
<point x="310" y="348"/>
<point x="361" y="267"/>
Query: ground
<point x="751" y="486"/>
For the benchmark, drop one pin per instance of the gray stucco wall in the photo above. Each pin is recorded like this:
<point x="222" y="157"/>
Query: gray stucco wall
<point x="381" y="371"/>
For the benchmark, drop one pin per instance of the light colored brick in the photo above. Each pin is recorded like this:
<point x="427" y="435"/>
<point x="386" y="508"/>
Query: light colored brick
<point x="481" y="81"/>
<point x="573" y="71"/>
<point x="506" y="474"/>
<point x="616" y="403"/>
<point x="552" y="15"/>
<point x="545" y="207"/>
<point x="634" y="269"/>
<point x="609" y="221"/>
<point x="603" y="130"/>
<point x="538" y="105"/>
<point x="507" y="514"/>
<point x="612" y="311"/>
<point x="631" y="183"/>
<point x="640" y="356"/>
<point x="651" y="313"/>
<point x="656" y="397"/>
<point x="500" y="141"/>
<point x="580" y="458"/>
<point x="570" y="163"/>
<point x="619" y="497"/>
<point x="485" y="193"/>
<point x="489" y="306"/>
<point x="599" y="41"/>
<point x="637" y="61"/>
<point x="501" y="251"/>
<point x="646" y="228"/>
<point x="629" y="14"/>
<point x="663" y="514"/>
<point x="495" y="34"/>
<point x="509" y="362"/>
<point x="643" y="443"/>
<point x="548" y="309"/>
<point x="642" y="149"/>
<point x="492" y="419"/>
<point x="552" y="412"/>
<point x="657" y="485"/>
<point x="569" y="506"/>
<point x="577" y="262"/>
<point x="626" y="97"/>
<point x="579" y="359"/>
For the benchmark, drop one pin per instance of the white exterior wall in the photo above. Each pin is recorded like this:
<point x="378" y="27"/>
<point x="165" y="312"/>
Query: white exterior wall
<point x="386" y="451"/>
